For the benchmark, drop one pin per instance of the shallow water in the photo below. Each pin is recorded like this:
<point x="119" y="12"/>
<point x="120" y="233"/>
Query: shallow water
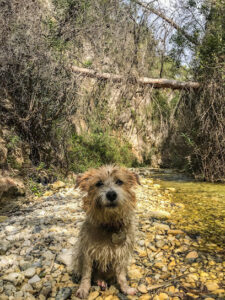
<point x="202" y="209"/>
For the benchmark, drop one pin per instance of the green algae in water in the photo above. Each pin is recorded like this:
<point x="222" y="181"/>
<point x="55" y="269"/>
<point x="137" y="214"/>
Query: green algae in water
<point x="204" y="207"/>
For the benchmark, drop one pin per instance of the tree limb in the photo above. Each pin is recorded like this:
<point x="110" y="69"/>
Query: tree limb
<point x="168" y="20"/>
<point x="154" y="82"/>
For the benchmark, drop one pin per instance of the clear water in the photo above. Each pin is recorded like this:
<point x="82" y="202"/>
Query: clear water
<point x="202" y="212"/>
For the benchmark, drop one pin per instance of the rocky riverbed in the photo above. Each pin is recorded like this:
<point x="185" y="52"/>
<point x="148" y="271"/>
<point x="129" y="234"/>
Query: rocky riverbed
<point x="37" y="238"/>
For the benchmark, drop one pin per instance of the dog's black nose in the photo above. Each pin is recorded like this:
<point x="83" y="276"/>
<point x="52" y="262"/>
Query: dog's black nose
<point x="111" y="195"/>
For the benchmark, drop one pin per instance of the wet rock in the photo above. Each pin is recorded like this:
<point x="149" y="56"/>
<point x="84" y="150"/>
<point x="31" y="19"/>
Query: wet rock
<point x="64" y="294"/>
<point x="160" y="226"/>
<point x="191" y="256"/>
<point x="212" y="286"/>
<point x="160" y="214"/>
<point x="163" y="296"/>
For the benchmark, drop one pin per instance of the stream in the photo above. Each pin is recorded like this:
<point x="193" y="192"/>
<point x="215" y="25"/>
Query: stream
<point x="202" y="204"/>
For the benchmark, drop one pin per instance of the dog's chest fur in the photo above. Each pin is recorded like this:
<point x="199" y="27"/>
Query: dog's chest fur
<point x="107" y="245"/>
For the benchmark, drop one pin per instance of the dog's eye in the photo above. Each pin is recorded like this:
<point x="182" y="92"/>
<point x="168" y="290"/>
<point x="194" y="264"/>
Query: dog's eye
<point x="119" y="182"/>
<point x="99" y="183"/>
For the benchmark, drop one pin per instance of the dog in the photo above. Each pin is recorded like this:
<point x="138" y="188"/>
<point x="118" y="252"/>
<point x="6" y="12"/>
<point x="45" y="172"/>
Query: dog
<point x="106" y="239"/>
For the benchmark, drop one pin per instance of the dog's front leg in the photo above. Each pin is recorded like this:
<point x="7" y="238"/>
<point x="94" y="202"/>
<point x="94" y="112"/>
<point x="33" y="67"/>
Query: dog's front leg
<point x="85" y="284"/>
<point x="122" y="280"/>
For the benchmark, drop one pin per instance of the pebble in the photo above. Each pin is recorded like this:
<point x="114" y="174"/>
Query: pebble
<point x="192" y="256"/>
<point x="34" y="279"/>
<point x="4" y="246"/>
<point x="15" y="278"/>
<point x="30" y="272"/>
<point x="142" y="288"/>
<point x="64" y="294"/>
<point x="93" y="295"/>
<point x="212" y="286"/>
<point x="145" y="297"/>
<point x="37" y="248"/>
<point x="160" y="214"/>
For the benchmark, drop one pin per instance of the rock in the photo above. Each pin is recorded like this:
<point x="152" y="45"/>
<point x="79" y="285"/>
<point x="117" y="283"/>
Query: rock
<point x="47" y="288"/>
<point x="18" y="295"/>
<point x="4" y="297"/>
<point x="171" y="189"/>
<point x="142" y="288"/>
<point x="141" y="243"/>
<point x="34" y="279"/>
<point x="3" y="218"/>
<point x="160" y="214"/>
<point x="134" y="272"/>
<point x="212" y="286"/>
<point x="93" y="295"/>
<point x="163" y="296"/>
<point x="160" y="226"/>
<point x="72" y="240"/>
<point x="192" y="277"/>
<point x="64" y="294"/>
<point x="11" y="187"/>
<point x="3" y="152"/>
<point x="66" y="257"/>
<point x="30" y="272"/>
<point x="27" y="288"/>
<point x="4" y="246"/>
<point x="160" y="244"/>
<point x="176" y="232"/>
<point x="48" y="194"/>
<point x="15" y="278"/>
<point x="58" y="185"/>
<point x="191" y="256"/>
<point x="145" y="297"/>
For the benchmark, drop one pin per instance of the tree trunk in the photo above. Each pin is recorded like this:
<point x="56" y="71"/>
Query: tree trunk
<point x="154" y="82"/>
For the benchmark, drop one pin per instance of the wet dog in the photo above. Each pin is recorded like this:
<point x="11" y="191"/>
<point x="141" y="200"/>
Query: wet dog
<point x="106" y="239"/>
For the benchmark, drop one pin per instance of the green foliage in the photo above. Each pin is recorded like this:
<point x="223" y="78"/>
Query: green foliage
<point x="35" y="188"/>
<point x="95" y="149"/>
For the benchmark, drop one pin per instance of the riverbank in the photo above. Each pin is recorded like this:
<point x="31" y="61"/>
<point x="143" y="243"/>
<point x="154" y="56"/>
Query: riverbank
<point x="36" y="241"/>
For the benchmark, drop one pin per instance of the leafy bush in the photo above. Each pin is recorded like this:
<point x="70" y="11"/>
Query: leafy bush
<point x="95" y="149"/>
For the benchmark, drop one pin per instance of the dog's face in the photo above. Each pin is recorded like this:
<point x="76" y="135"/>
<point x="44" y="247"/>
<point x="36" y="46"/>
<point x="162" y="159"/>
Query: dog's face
<point x="108" y="187"/>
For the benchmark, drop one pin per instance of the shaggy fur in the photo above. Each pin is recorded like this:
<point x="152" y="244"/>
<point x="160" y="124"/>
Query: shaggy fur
<point x="106" y="239"/>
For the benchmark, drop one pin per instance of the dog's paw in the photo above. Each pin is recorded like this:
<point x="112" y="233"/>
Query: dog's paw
<point x="102" y="284"/>
<point x="82" y="293"/>
<point x="130" y="291"/>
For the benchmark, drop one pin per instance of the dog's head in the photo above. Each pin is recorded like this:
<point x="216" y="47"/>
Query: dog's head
<point x="108" y="188"/>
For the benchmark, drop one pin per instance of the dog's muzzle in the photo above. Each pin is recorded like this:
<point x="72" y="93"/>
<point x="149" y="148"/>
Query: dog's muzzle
<point x="111" y="196"/>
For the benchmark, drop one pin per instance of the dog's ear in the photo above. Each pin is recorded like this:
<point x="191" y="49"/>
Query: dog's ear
<point x="137" y="178"/>
<point x="132" y="177"/>
<point x="83" y="180"/>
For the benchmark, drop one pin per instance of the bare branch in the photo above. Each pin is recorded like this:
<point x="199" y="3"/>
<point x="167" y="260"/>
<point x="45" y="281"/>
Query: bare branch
<point x="154" y="82"/>
<point x="168" y="20"/>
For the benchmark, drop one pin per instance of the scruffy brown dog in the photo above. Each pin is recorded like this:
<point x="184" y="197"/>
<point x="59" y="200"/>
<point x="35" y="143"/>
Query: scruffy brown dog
<point x="106" y="239"/>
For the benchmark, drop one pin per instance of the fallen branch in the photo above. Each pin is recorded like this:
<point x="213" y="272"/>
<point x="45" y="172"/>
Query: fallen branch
<point x="154" y="82"/>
